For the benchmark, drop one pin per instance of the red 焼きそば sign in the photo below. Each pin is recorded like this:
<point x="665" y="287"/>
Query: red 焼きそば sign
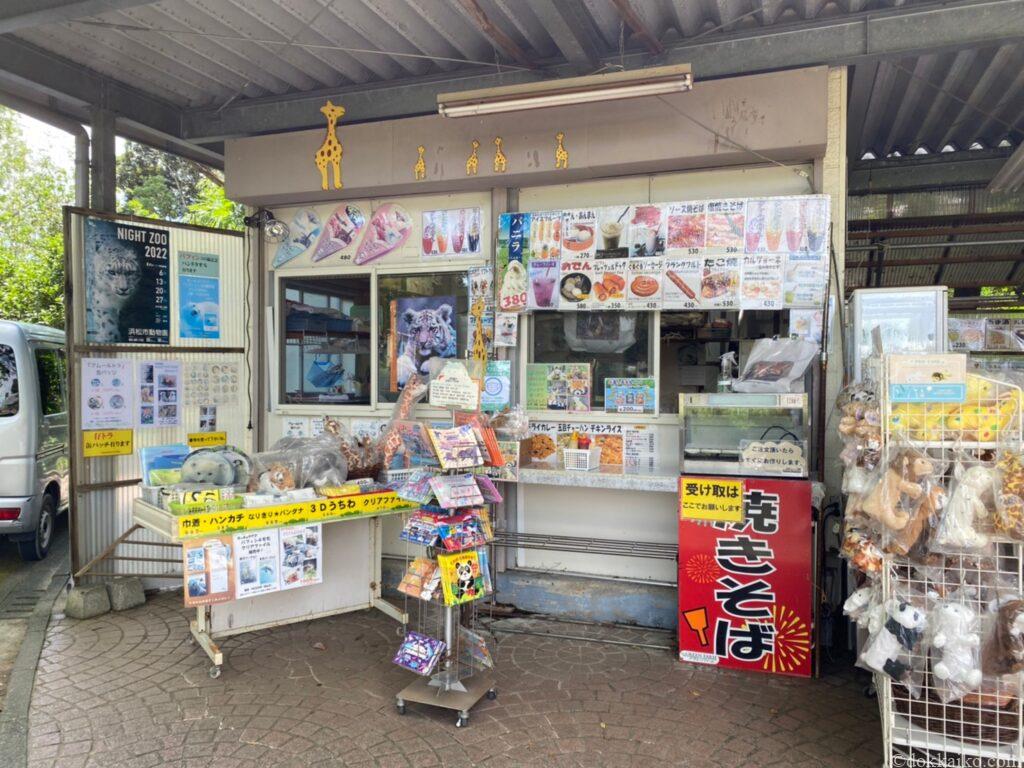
<point x="745" y="588"/>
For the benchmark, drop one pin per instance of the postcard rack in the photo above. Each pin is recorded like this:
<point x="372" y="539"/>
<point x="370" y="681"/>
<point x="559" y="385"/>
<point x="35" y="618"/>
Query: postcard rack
<point x="442" y="607"/>
<point x="924" y="724"/>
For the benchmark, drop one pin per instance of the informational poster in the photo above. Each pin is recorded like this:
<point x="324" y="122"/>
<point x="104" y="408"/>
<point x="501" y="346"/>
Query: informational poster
<point x="629" y="395"/>
<point x="579" y="233"/>
<point x="939" y="378"/>
<point x="497" y="389"/>
<point x="453" y="387"/>
<point x="745" y="589"/>
<point x="209" y="570"/>
<point x="506" y="329"/>
<point x="367" y="429"/>
<point x="481" y="286"/>
<point x="720" y="282"/>
<point x="295" y="427"/>
<point x="761" y="281"/>
<point x="644" y="290"/>
<point x="259" y="564"/>
<point x="423" y="330"/>
<point x="682" y="284"/>
<point x="451" y="233"/>
<point x="106" y="393"/>
<point x="711" y="499"/>
<point x="198" y="295"/>
<point x="317" y="426"/>
<point x="107" y="442"/>
<point x="213" y="384"/>
<point x="160" y="399"/>
<point x="208" y="418"/>
<point x="549" y="438"/>
<point x="512" y="259"/>
<point x="558" y="386"/>
<point x="302" y="560"/>
<point x="640" y="449"/>
<point x="127" y="283"/>
<point x="646" y="231"/>
<point x="544" y="279"/>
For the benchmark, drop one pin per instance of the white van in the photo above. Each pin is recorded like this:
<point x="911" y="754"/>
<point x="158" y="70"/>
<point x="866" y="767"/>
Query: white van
<point x="34" y="457"/>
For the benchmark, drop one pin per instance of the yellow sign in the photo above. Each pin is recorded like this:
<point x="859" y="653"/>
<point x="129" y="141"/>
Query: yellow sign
<point x="711" y="498"/>
<point x="200" y="497"/>
<point x="106" y="442"/>
<point x="206" y="439"/>
<point x="294" y="513"/>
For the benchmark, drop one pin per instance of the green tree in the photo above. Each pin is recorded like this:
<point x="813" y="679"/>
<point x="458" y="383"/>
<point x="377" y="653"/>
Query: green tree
<point x="213" y="209"/>
<point x="155" y="183"/>
<point x="32" y="191"/>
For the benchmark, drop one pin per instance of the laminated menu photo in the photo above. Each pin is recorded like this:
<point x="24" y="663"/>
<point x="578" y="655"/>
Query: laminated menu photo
<point x="761" y="281"/>
<point x="609" y="286"/>
<point x="644" y="291"/>
<point x="682" y="284"/>
<point x="576" y="283"/>
<point x="720" y="282"/>
<point x="646" y="231"/>
<point x="686" y="228"/>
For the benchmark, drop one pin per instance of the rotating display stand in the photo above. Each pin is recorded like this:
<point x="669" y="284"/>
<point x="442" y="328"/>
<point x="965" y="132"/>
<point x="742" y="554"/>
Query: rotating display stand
<point x="462" y="676"/>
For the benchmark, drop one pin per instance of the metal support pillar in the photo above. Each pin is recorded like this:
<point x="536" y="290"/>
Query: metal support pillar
<point x="104" y="161"/>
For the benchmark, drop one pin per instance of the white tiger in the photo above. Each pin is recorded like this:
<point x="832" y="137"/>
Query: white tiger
<point x="112" y="279"/>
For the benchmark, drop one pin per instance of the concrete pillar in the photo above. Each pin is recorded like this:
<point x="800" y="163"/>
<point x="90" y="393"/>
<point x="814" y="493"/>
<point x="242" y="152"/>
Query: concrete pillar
<point x="104" y="160"/>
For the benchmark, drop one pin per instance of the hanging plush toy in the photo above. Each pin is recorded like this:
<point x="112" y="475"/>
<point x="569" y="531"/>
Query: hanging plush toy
<point x="889" y="650"/>
<point x="1004" y="653"/>
<point x="277" y="480"/>
<point x="955" y="633"/>
<point x="967" y="508"/>
<point x="904" y="477"/>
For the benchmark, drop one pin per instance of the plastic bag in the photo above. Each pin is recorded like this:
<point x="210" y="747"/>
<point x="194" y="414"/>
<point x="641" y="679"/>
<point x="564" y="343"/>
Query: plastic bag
<point x="317" y="460"/>
<point x="893" y="502"/>
<point x="1004" y="649"/>
<point x="895" y="649"/>
<point x="860" y="546"/>
<point x="1009" y="509"/>
<point x="954" y="633"/>
<point x="776" y="365"/>
<point x="866" y="607"/>
<point x="511" y="424"/>
<point x="216" y="467"/>
<point x="968" y="510"/>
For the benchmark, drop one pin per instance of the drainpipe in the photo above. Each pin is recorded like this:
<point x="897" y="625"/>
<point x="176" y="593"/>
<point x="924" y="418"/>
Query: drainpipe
<point x="75" y="128"/>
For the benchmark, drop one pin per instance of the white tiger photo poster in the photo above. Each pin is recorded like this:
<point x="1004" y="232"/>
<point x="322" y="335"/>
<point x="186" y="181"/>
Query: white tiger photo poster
<point x="127" y="283"/>
<point x="422" y="329"/>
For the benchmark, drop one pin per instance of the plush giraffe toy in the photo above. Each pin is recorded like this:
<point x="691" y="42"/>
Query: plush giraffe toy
<point x="473" y="163"/>
<point x="561" y="154"/>
<point x="500" y="161"/>
<point x="330" y="151"/>
<point x="479" y="350"/>
<point x="420" y="169"/>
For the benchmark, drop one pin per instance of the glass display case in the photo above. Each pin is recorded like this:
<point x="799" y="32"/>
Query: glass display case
<point x="909" y="320"/>
<point x="729" y="433"/>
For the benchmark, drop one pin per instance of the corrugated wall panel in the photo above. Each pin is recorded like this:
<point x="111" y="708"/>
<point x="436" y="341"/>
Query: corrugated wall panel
<point x="102" y="515"/>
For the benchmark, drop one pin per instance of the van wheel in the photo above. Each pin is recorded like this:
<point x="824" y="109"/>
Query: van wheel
<point x="37" y="547"/>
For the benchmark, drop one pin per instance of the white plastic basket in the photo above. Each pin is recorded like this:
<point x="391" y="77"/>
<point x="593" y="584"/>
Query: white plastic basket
<point x="581" y="459"/>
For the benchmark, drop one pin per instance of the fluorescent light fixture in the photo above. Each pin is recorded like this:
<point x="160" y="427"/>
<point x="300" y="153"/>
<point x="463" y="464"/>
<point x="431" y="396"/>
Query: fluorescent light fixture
<point x="655" y="81"/>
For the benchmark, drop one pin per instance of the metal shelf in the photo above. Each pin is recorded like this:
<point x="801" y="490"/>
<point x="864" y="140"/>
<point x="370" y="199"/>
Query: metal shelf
<point x="649" y="549"/>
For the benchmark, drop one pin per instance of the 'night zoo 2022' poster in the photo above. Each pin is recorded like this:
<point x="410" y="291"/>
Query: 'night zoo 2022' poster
<point x="127" y="284"/>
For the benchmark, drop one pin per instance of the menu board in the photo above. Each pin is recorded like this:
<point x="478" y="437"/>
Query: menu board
<point x="765" y="253"/>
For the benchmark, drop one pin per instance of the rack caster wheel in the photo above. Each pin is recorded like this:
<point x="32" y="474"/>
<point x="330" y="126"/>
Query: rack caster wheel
<point x="462" y="721"/>
<point x="214" y="672"/>
<point x="492" y="694"/>
<point x="400" y="707"/>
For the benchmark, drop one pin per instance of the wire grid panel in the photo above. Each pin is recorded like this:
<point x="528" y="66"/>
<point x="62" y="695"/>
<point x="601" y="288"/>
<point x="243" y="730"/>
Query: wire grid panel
<point x="104" y="513"/>
<point x="985" y="726"/>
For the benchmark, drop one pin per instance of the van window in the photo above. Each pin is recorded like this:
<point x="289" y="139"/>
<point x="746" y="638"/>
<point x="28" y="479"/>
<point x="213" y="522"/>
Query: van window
<point x="51" y="374"/>
<point x="8" y="382"/>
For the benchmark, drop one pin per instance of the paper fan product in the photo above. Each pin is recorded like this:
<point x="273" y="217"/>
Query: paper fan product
<point x="302" y="233"/>
<point x="341" y="230"/>
<point x="389" y="229"/>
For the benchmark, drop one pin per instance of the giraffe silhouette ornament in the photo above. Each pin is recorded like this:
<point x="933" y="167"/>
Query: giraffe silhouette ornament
<point x="473" y="162"/>
<point x="561" y="154"/>
<point x="330" y="151"/>
<point x="500" y="161"/>
<point x="420" y="169"/>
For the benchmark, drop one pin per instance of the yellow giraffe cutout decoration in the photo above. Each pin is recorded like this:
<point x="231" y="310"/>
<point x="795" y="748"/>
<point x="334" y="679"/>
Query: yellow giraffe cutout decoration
<point x="479" y="350"/>
<point x="500" y="161"/>
<point x="473" y="162"/>
<point x="330" y="151"/>
<point x="420" y="169"/>
<point x="561" y="155"/>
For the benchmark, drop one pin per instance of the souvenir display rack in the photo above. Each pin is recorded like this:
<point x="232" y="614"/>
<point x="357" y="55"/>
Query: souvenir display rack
<point x="458" y="679"/>
<point x="930" y="725"/>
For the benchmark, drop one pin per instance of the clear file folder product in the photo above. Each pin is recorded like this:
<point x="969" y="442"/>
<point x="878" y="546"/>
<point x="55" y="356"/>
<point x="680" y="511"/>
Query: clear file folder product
<point x="909" y="321"/>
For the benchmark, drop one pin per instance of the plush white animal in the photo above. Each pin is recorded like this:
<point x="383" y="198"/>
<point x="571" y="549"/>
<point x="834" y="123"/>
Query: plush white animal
<point x="954" y="628"/>
<point x="966" y="508"/>
<point x="866" y="608"/>
<point x="887" y="650"/>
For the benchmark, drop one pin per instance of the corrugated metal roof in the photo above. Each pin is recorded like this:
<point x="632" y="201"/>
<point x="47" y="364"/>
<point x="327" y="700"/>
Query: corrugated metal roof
<point x="202" y="53"/>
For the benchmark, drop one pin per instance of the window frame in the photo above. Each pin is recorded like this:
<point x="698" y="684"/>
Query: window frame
<point x="275" y="336"/>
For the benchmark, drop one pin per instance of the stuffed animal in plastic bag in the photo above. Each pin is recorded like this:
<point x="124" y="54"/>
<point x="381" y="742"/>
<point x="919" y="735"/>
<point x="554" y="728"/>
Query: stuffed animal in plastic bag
<point x="1004" y="653"/>
<point x="276" y="480"/>
<point x="866" y="608"/>
<point x="860" y="547"/>
<point x="208" y="467"/>
<point x="967" y="507"/>
<point x="955" y="630"/>
<point x="889" y="650"/>
<point x="904" y="476"/>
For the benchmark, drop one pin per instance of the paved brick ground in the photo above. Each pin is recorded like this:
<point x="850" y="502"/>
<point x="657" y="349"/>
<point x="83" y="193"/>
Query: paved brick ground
<point x="129" y="691"/>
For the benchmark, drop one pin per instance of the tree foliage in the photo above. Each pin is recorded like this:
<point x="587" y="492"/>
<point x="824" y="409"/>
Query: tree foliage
<point x="32" y="191"/>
